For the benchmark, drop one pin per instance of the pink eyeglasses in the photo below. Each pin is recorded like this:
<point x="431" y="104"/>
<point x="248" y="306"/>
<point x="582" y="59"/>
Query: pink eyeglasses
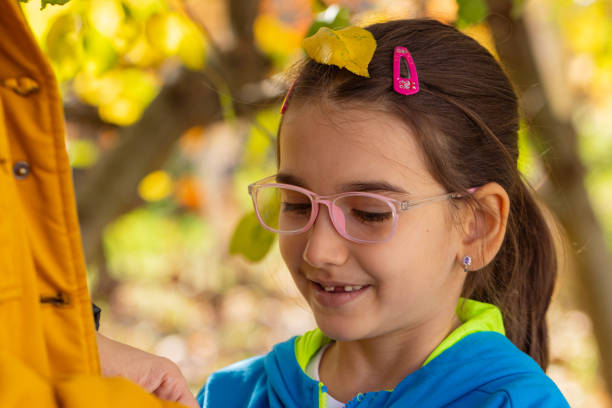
<point x="360" y="217"/>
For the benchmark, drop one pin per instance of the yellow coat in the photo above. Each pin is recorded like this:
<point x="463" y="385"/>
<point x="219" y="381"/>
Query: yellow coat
<point x="48" y="352"/>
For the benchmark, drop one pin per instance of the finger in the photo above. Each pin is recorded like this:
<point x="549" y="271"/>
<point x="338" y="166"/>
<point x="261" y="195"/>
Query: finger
<point x="189" y="400"/>
<point x="174" y="388"/>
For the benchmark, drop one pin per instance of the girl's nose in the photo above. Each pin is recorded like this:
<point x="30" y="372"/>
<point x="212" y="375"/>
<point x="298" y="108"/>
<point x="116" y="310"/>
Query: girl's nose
<point x="325" y="245"/>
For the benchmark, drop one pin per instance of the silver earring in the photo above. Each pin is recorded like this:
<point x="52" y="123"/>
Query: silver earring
<point x="467" y="261"/>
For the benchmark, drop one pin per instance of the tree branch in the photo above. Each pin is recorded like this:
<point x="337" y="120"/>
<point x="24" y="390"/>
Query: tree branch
<point x="109" y="189"/>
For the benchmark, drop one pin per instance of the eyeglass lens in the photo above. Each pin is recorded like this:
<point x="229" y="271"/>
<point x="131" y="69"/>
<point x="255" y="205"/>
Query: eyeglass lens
<point x="360" y="217"/>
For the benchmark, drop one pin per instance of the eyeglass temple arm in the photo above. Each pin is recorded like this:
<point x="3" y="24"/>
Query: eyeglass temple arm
<point x="407" y="204"/>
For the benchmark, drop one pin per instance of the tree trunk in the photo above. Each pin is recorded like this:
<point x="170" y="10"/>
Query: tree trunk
<point x="556" y="140"/>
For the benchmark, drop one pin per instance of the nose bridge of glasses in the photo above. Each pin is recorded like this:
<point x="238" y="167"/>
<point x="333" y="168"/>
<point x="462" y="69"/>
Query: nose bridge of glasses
<point x="335" y="213"/>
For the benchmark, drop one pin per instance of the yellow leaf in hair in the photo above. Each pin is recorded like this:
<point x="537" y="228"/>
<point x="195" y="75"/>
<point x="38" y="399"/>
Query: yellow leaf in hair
<point x="351" y="48"/>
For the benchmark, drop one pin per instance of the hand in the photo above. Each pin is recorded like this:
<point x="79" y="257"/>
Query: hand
<point x="157" y="375"/>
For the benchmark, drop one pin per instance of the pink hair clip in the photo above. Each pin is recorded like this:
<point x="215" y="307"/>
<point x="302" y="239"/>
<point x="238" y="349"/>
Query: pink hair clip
<point x="409" y="85"/>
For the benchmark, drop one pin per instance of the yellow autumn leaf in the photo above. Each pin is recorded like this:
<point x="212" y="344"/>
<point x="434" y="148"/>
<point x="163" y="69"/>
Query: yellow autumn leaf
<point x="155" y="186"/>
<point x="351" y="48"/>
<point x="274" y="37"/>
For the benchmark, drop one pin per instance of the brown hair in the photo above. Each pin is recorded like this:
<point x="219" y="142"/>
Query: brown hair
<point x="466" y="120"/>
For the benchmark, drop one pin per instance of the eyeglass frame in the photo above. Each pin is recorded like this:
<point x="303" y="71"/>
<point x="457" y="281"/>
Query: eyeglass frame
<point x="397" y="206"/>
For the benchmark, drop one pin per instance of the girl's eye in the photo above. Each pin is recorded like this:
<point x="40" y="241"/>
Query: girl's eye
<point x="296" y="208"/>
<point x="365" y="216"/>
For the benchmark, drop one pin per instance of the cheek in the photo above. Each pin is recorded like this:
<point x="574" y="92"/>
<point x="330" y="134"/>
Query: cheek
<point x="422" y="241"/>
<point x="382" y="262"/>
<point x="291" y="249"/>
<point x="427" y="226"/>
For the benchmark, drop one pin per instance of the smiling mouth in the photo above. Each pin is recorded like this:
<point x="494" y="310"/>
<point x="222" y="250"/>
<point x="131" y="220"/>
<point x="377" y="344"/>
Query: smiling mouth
<point x="339" y="288"/>
<point x="337" y="294"/>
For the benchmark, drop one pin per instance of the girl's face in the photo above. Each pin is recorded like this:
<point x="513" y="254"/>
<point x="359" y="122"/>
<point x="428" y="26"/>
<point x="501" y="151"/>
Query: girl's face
<point x="411" y="283"/>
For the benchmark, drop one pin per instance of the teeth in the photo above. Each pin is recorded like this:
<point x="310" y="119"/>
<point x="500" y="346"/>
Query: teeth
<point x="346" y="288"/>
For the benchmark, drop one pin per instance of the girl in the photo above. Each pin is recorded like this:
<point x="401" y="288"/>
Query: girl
<point x="407" y="228"/>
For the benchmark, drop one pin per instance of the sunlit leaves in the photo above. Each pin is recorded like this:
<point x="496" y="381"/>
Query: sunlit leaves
<point x="351" y="48"/>
<point x="482" y="34"/>
<point x="84" y="38"/>
<point x="121" y="95"/>
<point x="192" y="48"/>
<point x="333" y="17"/>
<point x="64" y="46"/>
<point x="113" y="50"/>
<point x="155" y="186"/>
<point x="106" y="17"/>
<point x="174" y="34"/>
<point x="261" y="145"/>
<point x="82" y="153"/>
<point x="140" y="10"/>
<point x="471" y="12"/>
<point x="318" y="6"/>
<point x="275" y="38"/>
<point x="227" y="104"/>
<point x="164" y="32"/>
<point x="517" y="8"/>
<point x="250" y="239"/>
<point x="587" y="35"/>
<point x="259" y="155"/>
<point x="43" y="3"/>
<point x="589" y="29"/>
<point x="147" y="244"/>
<point x="527" y="160"/>
<point x="99" y="53"/>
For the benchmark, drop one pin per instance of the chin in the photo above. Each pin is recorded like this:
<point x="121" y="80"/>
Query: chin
<point x="340" y="329"/>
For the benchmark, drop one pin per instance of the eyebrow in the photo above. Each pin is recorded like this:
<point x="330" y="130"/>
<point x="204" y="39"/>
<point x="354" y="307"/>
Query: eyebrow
<point x="363" y="186"/>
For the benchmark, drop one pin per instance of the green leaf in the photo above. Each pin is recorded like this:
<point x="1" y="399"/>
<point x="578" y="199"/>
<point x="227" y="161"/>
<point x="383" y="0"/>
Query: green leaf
<point x="260" y="148"/>
<point x="471" y="12"/>
<point x="82" y="152"/>
<point x="250" y="239"/>
<point x="517" y="8"/>
<point x="318" y="6"/>
<point x="64" y="45"/>
<point x="43" y="3"/>
<point x="100" y="54"/>
<point x="334" y="17"/>
<point x="527" y="163"/>
<point x="227" y="104"/>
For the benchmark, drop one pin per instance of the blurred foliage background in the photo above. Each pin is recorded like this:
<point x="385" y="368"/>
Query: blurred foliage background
<point x="172" y="108"/>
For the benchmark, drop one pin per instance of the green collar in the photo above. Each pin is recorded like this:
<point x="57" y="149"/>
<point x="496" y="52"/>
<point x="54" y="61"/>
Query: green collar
<point x="476" y="317"/>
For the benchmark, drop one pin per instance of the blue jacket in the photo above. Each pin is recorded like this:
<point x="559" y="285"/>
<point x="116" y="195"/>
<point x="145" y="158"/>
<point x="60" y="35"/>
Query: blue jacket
<point x="481" y="369"/>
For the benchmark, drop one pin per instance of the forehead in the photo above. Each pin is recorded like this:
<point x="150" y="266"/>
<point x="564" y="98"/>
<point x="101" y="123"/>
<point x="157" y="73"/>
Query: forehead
<point x="327" y="146"/>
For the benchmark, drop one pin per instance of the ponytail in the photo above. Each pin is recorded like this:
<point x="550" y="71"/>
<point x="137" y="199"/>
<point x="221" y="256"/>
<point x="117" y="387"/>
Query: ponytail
<point x="521" y="278"/>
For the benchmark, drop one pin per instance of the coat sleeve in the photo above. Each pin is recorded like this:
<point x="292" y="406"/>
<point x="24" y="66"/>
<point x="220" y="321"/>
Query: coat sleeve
<point x="20" y="386"/>
<point x="48" y="353"/>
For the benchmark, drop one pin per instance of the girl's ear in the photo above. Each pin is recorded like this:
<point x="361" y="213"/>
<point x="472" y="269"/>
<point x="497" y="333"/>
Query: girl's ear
<point x="484" y="228"/>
